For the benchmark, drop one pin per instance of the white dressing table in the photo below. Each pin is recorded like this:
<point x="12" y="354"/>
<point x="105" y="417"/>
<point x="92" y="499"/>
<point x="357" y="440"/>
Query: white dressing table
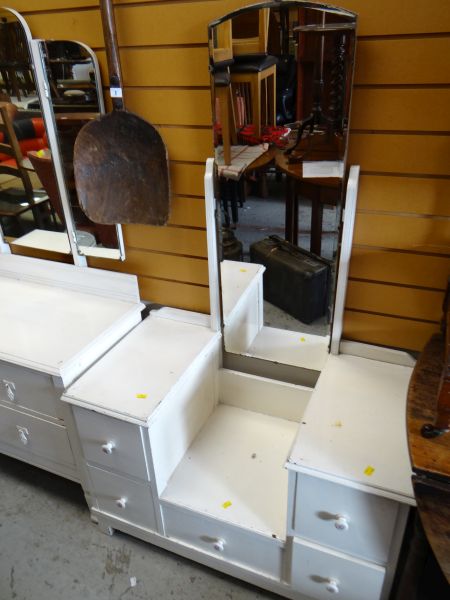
<point x="301" y="491"/>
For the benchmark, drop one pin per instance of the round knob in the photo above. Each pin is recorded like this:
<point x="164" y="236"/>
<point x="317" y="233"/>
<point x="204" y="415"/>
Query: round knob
<point x="332" y="586"/>
<point x="219" y="545"/>
<point x="121" y="502"/>
<point x="108" y="447"/>
<point x="341" y="523"/>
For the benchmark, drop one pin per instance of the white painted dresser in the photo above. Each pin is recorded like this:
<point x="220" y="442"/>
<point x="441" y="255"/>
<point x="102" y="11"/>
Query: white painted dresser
<point x="192" y="457"/>
<point x="55" y="321"/>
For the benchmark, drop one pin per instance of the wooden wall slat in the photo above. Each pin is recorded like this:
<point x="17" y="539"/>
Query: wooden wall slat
<point x="400" y="267"/>
<point x="83" y="26"/>
<point x="177" y="240"/>
<point x="403" y="233"/>
<point x="187" y="211"/>
<point x="161" y="66"/>
<point x="184" y="144"/>
<point x="405" y="194"/>
<point x="171" y="107"/>
<point x="394" y="300"/>
<point x="396" y="153"/>
<point x="385" y="17"/>
<point x="381" y="18"/>
<point x="154" y="264"/>
<point x="189" y="297"/>
<point x="387" y="331"/>
<point x="187" y="179"/>
<point x="384" y="109"/>
<point x="402" y="61"/>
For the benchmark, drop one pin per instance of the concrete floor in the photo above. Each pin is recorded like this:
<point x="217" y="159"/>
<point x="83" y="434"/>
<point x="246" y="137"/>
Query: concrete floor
<point x="50" y="550"/>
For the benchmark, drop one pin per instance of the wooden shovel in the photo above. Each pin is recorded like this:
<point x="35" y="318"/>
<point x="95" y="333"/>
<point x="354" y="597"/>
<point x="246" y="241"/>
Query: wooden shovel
<point x="120" y="160"/>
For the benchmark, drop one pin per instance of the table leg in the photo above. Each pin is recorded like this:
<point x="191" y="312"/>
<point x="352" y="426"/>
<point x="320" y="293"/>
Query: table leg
<point x="316" y="223"/>
<point x="291" y="219"/>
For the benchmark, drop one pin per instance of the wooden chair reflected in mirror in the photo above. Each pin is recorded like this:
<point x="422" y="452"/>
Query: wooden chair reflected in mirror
<point x="15" y="201"/>
<point x="253" y="68"/>
<point x="92" y="233"/>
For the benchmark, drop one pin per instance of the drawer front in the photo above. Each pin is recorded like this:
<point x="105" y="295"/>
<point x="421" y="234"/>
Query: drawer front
<point x="111" y="443"/>
<point x="344" y="518"/>
<point x="127" y="499"/>
<point x="226" y="541"/>
<point x="320" y="573"/>
<point x="35" y="436"/>
<point x="30" y="389"/>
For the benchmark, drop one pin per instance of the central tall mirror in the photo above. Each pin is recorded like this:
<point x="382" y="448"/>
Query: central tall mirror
<point x="48" y="90"/>
<point x="281" y="80"/>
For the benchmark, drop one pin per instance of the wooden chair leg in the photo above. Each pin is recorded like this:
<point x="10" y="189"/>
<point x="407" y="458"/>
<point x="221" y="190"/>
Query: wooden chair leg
<point x="223" y="95"/>
<point x="255" y="87"/>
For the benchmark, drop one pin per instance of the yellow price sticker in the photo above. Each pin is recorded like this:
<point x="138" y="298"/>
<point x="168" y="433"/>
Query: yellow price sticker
<point x="227" y="504"/>
<point x="369" y="471"/>
<point x="302" y="339"/>
<point x="141" y="396"/>
<point x="243" y="270"/>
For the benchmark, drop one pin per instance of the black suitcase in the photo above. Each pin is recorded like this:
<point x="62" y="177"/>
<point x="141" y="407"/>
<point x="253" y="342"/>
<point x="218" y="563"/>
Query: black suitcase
<point x="295" y="280"/>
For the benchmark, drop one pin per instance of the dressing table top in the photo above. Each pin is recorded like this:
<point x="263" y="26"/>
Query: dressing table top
<point x="58" y="318"/>
<point x="353" y="430"/>
<point x="134" y="378"/>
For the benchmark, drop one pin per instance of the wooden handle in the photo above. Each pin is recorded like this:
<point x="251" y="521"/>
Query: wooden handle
<point x="112" y="53"/>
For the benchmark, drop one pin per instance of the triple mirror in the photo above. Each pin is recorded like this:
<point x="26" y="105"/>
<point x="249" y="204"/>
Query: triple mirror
<point x="48" y="90"/>
<point x="281" y="80"/>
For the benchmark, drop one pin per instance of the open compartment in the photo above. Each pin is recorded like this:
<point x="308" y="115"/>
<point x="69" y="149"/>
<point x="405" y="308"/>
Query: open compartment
<point x="229" y="491"/>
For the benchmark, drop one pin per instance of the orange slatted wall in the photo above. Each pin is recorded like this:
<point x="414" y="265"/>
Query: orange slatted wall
<point x="400" y="136"/>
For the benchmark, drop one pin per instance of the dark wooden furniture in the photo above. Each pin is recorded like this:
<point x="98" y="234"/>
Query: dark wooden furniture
<point x="321" y="192"/>
<point x="430" y="456"/>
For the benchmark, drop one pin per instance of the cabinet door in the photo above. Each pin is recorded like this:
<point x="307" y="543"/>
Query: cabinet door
<point x="319" y="573"/>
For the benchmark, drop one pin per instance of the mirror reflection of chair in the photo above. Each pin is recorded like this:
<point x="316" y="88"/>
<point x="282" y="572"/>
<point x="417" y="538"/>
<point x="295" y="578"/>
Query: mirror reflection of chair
<point x="43" y="165"/>
<point x="253" y="68"/>
<point x="15" y="202"/>
<point x="221" y="59"/>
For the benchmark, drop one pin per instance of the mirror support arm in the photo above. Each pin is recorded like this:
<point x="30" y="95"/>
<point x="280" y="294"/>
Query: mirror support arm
<point x="44" y="94"/>
<point x="211" y="232"/>
<point x="344" y="257"/>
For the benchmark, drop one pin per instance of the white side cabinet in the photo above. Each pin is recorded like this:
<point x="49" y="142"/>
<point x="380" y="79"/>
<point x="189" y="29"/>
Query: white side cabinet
<point x="55" y="321"/>
<point x="350" y="481"/>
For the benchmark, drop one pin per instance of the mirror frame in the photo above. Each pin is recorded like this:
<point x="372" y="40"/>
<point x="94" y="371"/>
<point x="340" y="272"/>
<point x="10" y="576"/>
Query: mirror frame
<point x="36" y="48"/>
<point x="350" y="180"/>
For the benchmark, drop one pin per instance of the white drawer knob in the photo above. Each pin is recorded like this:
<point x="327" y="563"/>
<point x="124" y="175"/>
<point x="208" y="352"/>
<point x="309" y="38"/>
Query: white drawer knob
<point x="108" y="447"/>
<point x="341" y="523"/>
<point x="332" y="586"/>
<point x="23" y="434"/>
<point x="121" y="502"/>
<point x="219" y="545"/>
<point x="10" y="387"/>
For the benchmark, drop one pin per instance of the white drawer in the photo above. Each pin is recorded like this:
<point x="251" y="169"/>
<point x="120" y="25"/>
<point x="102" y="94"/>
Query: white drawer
<point x="127" y="499"/>
<point x="226" y="541"/>
<point x="344" y="518"/>
<point x="111" y="443"/>
<point x="29" y="389"/>
<point x="35" y="436"/>
<point x="320" y="573"/>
